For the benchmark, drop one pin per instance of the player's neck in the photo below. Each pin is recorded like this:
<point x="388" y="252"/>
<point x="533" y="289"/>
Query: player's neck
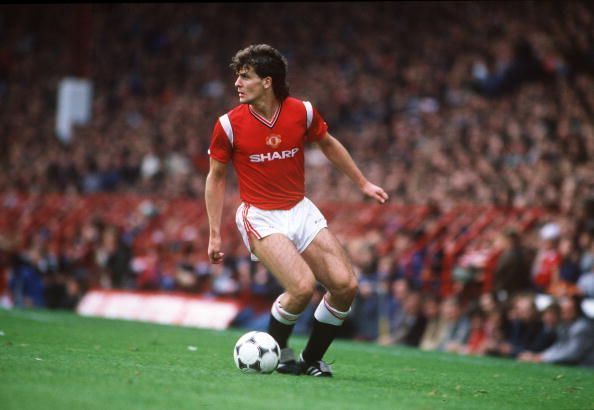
<point x="266" y="106"/>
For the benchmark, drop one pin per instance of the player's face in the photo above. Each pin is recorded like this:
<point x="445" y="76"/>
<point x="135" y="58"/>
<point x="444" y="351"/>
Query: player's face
<point x="249" y="85"/>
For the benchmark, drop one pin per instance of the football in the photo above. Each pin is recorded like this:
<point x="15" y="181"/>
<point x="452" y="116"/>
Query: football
<point x="256" y="352"/>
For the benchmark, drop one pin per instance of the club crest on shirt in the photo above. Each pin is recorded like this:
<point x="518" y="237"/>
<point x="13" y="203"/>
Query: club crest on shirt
<point x="273" y="140"/>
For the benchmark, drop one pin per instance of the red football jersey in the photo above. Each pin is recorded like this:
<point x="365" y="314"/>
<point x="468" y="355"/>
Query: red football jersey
<point x="268" y="155"/>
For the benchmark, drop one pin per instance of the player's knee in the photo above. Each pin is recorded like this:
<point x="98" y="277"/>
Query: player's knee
<point x="347" y="290"/>
<point x="352" y="288"/>
<point x="302" y="293"/>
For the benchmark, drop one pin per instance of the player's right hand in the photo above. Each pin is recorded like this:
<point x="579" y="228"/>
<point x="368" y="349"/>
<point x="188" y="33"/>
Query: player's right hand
<point x="214" y="250"/>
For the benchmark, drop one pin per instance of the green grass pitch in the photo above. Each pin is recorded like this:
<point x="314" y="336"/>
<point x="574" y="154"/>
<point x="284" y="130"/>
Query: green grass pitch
<point x="52" y="360"/>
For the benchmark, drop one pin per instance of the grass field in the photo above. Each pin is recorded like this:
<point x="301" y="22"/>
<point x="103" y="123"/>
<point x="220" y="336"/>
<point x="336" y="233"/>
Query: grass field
<point x="55" y="360"/>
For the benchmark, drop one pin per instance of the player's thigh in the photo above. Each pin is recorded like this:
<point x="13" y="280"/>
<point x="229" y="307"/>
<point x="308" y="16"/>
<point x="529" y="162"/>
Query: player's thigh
<point x="329" y="262"/>
<point x="283" y="260"/>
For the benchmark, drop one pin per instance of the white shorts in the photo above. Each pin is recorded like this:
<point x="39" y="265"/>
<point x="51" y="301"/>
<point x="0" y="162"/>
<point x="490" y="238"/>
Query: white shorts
<point x="300" y="224"/>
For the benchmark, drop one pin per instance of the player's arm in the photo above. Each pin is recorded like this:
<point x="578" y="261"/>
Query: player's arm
<point x="214" y="194"/>
<point x="340" y="157"/>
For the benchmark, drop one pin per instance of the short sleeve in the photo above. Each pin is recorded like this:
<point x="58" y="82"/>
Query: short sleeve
<point x="318" y="127"/>
<point x="220" y="147"/>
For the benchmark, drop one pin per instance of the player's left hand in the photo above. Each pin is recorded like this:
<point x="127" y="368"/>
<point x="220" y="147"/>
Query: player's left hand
<point x="375" y="192"/>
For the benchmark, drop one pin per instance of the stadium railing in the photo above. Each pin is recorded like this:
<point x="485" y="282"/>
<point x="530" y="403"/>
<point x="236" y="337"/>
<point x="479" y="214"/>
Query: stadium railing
<point x="159" y="222"/>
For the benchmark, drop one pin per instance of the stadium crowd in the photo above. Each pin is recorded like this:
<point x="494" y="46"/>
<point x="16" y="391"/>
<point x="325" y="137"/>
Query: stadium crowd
<point x="440" y="103"/>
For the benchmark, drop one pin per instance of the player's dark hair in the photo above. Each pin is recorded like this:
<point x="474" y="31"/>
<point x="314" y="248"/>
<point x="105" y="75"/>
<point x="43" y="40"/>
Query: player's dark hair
<point x="266" y="62"/>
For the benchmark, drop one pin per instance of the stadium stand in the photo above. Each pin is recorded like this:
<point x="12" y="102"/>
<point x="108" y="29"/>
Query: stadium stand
<point x="475" y="117"/>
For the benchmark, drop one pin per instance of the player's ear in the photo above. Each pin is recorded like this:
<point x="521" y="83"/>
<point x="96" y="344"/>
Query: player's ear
<point x="267" y="81"/>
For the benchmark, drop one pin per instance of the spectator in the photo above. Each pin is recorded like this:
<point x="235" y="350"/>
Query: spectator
<point x="366" y="309"/>
<point x="548" y="331"/>
<point x="409" y="324"/>
<point x="115" y="257"/>
<point x="545" y="268"/>
<point x="477" y="337"/>
<point x="569" y="269"/>
<point x="586" y="243"/>
<point x="586" y="284"/>
<point x="488" y="302"/>
<point x="32" y="270"/>
<point x="574" y="338"/>
<point x="187" y="277"/>
<point x="512" y="273"/>
<point x="263" y="284"/>
<point x="523" y="327"/>
<point x="455" y="326"/>
<point x="26" y="283"/>
<point x="432" y="334"/>
<point x="394" y="302"/>
<point x="496" y="328"/>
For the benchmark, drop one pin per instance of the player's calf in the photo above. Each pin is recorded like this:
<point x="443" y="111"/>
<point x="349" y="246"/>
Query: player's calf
<point x="327" y="321"/>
